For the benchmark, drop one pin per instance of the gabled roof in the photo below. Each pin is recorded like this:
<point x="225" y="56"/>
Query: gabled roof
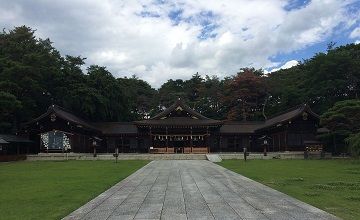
<point x="179" y="105"/>
<point x="64" y="114"/>
<point x="188" y="117"/>
<point x="2" y="141"/>
<point x="115" y="128"/>
<point x="248" y="127"/>
<point x="288" y="116"/>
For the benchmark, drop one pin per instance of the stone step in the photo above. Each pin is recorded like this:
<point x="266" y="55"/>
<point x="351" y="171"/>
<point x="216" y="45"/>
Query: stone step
<point x="215" y="158"/>
<point x="82" y="156"/>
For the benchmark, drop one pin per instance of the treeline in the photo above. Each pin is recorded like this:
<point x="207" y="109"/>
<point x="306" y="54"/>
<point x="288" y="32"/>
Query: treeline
<point x="33" y="75"/>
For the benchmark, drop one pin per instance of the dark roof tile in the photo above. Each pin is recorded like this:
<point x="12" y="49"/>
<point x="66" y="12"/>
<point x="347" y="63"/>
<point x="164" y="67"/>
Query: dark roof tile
<point x="288" y="115"/>
<point x="179" y="121"/>
<point x="14" y="138"/>
<point x="113" y="128"/>
<point x="64" y="114"/>
<point x="195" y="119"/>
<point x="240" y="127"/>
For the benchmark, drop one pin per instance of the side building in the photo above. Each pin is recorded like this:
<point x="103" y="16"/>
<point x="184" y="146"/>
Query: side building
<point x="178" y="129"/>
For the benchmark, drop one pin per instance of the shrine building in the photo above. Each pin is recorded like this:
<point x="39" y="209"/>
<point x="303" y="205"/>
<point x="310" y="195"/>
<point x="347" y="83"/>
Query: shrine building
<point x="178" y="129"/>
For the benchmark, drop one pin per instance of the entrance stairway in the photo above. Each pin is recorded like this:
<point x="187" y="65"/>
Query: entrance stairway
<point x="215" y="158"/>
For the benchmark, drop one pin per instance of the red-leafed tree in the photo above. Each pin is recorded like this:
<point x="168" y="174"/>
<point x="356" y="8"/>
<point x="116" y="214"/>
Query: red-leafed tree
<point x="245" y="95"/>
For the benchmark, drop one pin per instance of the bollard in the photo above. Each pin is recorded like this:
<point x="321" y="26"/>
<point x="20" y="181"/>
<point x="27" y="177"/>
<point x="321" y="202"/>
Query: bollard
<point x="245" y="153"/>
<point x="306" y="154"/>
<point x="265" y="152"/>
<point x="94" y="153"/>
<point x="116" y="154"/>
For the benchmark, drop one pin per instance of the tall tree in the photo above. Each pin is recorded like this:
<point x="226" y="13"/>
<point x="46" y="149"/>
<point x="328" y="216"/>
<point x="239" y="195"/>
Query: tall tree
<point x="8" y="106"/>
<point x="140" y="97"/>
<point x="27" y="66"/>
<point x="343" y="121"/>
<point x="115" y="106"/>
<point x="210" y="98"/>
<point x="245" y="95"/>
<point x="320" y="81"/>
<point x="170" y="91"/>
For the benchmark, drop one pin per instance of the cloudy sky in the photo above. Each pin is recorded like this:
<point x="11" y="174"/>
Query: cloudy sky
<point x="159" y="39"/>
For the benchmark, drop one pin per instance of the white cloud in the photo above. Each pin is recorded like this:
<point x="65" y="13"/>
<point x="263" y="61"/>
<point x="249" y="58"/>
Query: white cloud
<point x="287" y="65"/>
<point x="357" y="42"/>
<point x="157" y="48"/>
<point x="355" y="33"/>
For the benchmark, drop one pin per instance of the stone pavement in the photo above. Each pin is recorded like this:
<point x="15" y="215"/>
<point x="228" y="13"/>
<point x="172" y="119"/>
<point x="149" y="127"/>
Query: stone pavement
<point x="193" y="189"/>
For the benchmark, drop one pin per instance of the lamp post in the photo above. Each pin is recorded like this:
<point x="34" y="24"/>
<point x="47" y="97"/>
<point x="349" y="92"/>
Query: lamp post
<point x="116" y="154"/>
<point x="265" y="144"/>
<point x="94" y="147"/>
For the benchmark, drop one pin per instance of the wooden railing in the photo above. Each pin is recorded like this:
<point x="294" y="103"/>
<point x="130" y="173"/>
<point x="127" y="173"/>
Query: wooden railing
<point x="200" y="150"/>
<point x="187" y="150"/>
<point x="162" y="150"/>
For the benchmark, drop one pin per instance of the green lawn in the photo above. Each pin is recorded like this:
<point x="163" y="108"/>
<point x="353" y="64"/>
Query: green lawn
<point x="331" y="185"/>
<point x="51" y="190"/>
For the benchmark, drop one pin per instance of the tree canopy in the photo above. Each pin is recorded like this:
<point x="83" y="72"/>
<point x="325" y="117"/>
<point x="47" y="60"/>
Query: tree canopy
<point x="343" y="121"/>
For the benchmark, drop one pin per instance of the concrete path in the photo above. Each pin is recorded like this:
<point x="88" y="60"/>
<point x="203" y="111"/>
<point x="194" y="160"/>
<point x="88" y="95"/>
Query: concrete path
<point x="194" y="189"/>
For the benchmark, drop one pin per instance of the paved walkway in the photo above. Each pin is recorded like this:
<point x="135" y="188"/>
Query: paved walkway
<point x="193" y="190"/>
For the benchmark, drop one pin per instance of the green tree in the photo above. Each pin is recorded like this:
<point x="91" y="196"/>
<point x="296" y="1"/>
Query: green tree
<point x="140" y="97"/>
<point x="320" y="81"/>
<point x="169" y="92"/>
<point x="9" y="106"/>
<point x="343" y="121"/>
<point x="353" y="142"/>
<point x="116" y="105"/>
<point x="211" y="98"/>
<point x="27" y="66"/>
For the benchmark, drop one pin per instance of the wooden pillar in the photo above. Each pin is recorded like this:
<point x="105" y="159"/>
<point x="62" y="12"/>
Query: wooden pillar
<point x="273" y="142"/>
<point x="235" y="142"/>
<point x="207" y="143"/>
<point x="206" y="139"/>
<point x="191" y="140"/>
<point x="151" y="139"/>
<point x="285" y="136"/>
<point x="279" y="139"/>
<point x="167" y="138"/>
<point x="94" y="148"/>
<point x="220" y="140"/>
<point x="122" y="144"/>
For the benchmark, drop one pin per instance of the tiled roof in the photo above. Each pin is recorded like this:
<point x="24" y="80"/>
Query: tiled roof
<point x="179" y="121"/>
<point x="288" y="115"/>
<point x="113" y="128"/>
<point x="2" y="141"/>
<point x="194" y="119"/>
<point x="10" y="138"/>
<point x="240" y="127"/>
<point x="179" y="103"/>
<point x="64" y="114"/>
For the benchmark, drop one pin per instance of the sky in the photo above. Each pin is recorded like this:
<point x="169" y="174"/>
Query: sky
<point x="159" y="40"/>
